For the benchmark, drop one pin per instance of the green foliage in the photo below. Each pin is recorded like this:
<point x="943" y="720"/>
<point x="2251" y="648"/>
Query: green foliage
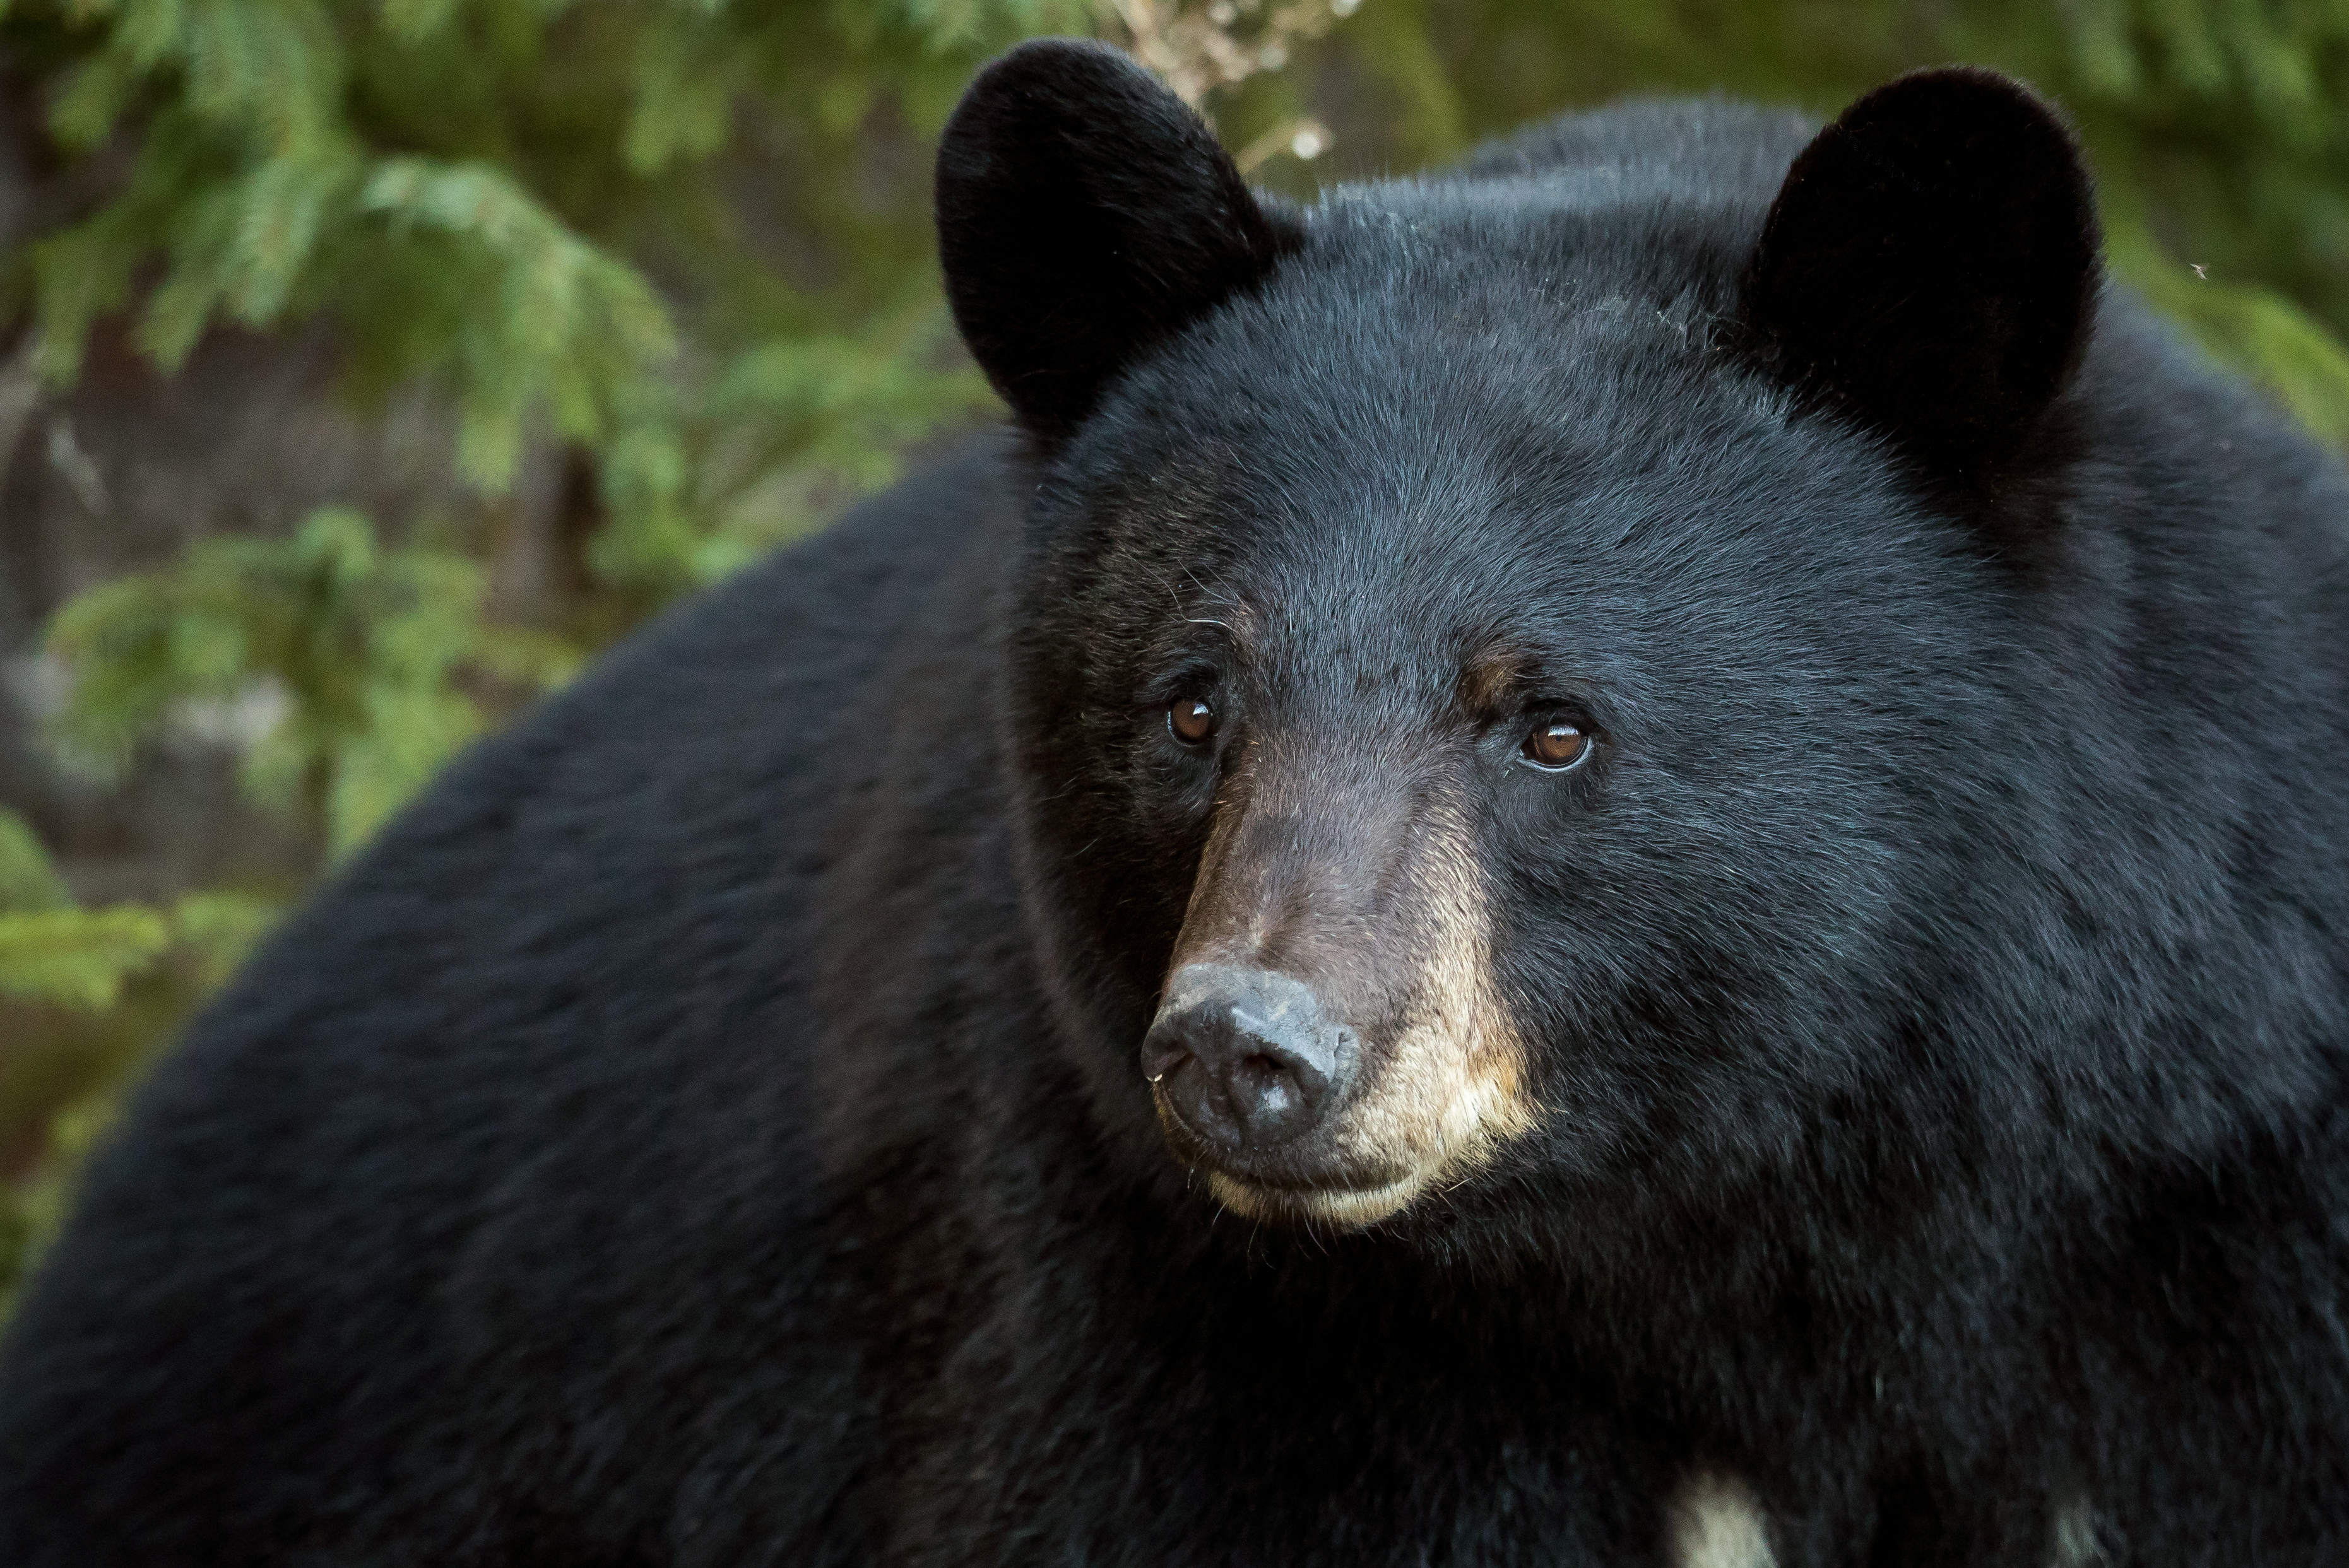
<point x="259" y="184"/>
<point x="791" y="425"/>
<point x="360" y="645"/>
<point x="51" y="951"/>
<point x="58" y="1086"/>
<point x="27" y="881"/>
<point x="687" y="242"/>
<point x="77" y="957"/>
<point x="480" y="192"/>
<point x="82" y="958"/>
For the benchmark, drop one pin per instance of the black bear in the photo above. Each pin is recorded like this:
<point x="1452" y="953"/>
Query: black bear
<point x="1634" y="856"/>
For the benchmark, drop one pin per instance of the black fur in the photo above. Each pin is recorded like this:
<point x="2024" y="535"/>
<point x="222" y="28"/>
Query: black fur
<point x="707" y="1129"/>
<point x="1084" y="214"/>
<point x="1931" y="261"/>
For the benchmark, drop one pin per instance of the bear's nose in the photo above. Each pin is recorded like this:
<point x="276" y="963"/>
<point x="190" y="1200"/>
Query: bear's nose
<point x="1246" y="1057"/>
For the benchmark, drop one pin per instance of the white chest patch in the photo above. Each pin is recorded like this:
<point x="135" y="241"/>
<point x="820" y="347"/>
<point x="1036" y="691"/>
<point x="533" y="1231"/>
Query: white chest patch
<point x="1715" y="1522"/>
<point x="2074" y="1545"/>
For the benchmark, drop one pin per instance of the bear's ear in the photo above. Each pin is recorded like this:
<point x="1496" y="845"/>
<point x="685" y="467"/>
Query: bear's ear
<point x="1930" y="263"/>
<point x="1083" y="212"/>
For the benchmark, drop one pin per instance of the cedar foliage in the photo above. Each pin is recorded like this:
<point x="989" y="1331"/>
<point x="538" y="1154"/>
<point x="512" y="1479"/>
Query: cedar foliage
<point x="563" y="217"/>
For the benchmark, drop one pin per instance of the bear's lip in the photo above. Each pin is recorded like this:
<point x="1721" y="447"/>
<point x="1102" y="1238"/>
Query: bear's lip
<point x="1287" y="1191"/>
<point x="1346" y="1205"/>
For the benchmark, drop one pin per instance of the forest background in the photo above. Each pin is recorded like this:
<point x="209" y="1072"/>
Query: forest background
<point x="368" y="365"/>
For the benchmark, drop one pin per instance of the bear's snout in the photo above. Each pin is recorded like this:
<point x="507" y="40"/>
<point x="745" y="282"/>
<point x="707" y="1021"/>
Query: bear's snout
<point x="1247" y="1059"/>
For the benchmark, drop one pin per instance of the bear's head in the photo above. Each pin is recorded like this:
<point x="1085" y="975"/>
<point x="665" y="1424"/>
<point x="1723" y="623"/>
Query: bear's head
<point x="1509" y="670"/>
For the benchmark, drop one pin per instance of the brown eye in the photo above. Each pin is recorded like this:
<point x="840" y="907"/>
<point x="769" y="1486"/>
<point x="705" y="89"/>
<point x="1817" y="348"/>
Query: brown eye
<point x="1556" y="746"/>
<point x="1190" y="720"/>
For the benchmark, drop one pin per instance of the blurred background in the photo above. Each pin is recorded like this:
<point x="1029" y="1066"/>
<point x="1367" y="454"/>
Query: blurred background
<point x="368" y="365"/>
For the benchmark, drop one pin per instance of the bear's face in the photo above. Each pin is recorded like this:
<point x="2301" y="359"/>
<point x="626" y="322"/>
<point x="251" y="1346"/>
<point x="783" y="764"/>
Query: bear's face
<point x="1488" y="746"/>
<point x="1473" y="723"/>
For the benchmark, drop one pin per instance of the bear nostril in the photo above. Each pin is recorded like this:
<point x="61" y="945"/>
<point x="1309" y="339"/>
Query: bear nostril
<point x="1267" y="1086"/>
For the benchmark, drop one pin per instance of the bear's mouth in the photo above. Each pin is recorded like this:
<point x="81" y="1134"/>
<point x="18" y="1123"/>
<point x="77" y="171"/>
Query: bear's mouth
<point x="1288" y="1190"/>
<point x="1348" y="1206"/>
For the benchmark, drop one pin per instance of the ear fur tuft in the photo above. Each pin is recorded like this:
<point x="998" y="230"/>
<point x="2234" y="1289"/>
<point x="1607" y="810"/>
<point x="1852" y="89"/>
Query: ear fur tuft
<point x="1084" y="211"/>
<point x="1929" y="265"/>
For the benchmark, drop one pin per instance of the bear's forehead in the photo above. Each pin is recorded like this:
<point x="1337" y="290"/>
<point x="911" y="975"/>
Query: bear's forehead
<point x="1579" y="231"/>
<point x="1441" y="357"/>
<point x="1357" y="487"/>
<point x="1432" y="437"/>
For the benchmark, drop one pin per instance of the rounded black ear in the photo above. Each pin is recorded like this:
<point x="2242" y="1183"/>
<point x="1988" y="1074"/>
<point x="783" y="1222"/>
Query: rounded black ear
<point x="1930" y="263"/>
<point x="1083" y="212"/>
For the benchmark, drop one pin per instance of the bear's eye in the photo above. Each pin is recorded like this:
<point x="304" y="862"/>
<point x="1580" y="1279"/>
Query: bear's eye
<point x="1556" y="746"/>
<point x="1190" y="720"/>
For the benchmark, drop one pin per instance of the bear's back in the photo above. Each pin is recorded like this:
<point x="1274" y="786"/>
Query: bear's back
<point x="530" y="1061"/>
